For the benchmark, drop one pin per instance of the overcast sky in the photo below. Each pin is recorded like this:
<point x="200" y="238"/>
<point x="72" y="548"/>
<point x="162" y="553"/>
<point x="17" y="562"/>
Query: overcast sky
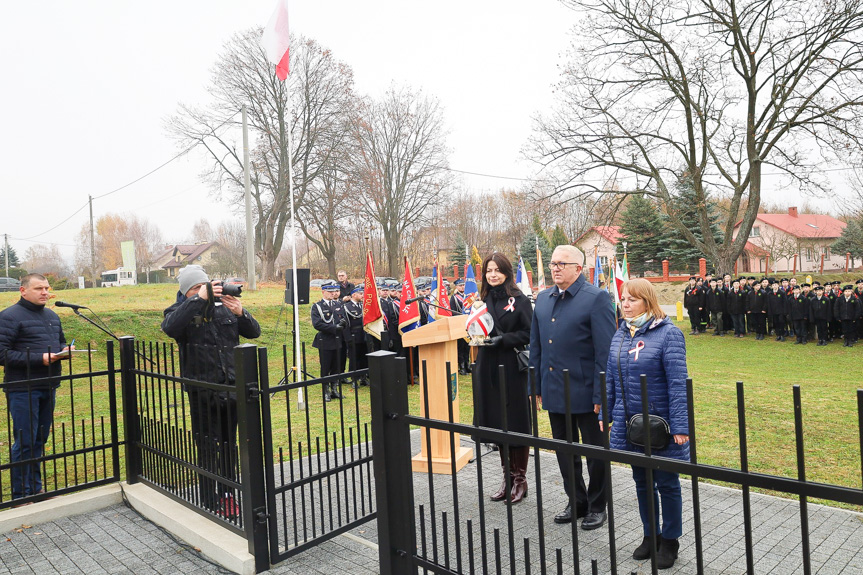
<point x="88" y="86"/>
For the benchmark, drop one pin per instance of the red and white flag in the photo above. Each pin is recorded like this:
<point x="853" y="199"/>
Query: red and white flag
<point x="276" y="40"/>
<point x="373" y="317"/>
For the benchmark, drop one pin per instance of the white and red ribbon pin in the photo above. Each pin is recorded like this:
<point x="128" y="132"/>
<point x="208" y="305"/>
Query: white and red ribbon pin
<point x="510" y="306"/>
<point x="638" y="347"/>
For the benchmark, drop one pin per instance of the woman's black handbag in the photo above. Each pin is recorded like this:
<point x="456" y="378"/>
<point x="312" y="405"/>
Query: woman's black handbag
<point x="636" y="430"/>
<point x="523" y="357"/>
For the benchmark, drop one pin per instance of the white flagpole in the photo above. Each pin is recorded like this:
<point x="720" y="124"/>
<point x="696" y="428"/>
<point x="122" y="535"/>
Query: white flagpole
<point x="250" y="232"/>
<point x="301" y="403"/>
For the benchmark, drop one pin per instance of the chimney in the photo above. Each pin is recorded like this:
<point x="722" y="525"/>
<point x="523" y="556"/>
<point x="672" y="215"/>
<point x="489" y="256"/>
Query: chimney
<point x="792" y="212"/>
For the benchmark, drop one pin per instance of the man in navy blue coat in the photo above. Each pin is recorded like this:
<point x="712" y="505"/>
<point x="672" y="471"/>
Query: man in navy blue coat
<point x="573" y="324"/>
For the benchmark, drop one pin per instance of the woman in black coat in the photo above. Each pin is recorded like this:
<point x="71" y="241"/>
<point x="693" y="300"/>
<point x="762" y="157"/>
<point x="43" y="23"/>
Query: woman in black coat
<point x="512" y="313"/>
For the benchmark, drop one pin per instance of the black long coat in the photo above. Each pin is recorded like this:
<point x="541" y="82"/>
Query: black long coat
<point x="514" y="326"/>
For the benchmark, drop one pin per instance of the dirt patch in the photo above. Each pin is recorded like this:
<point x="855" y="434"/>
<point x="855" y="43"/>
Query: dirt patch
<point x="670" y="292"/>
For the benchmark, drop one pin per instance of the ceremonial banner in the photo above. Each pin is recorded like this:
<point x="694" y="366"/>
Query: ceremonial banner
<point x="470" y="287"/>
<point x="522" y="280"/>
<point x="373" y="323"/>
<point x="540" y="271"/>
<point x="409" y="313"/>
<point x="597" y="272"/>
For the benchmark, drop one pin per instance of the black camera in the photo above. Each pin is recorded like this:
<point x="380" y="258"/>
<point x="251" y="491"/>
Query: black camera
<point x="235" y="290"/>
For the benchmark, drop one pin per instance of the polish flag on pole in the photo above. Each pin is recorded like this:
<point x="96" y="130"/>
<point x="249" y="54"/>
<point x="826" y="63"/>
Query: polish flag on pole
<point x="276" y="40"/>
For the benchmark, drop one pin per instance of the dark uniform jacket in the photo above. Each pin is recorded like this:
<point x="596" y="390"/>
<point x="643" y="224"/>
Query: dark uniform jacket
<point x="28" y="330"/>
<point x="736" y="302"/>
<point x="326" y="318"/>
<point x="354" y="312"/>
<point x="715" y="300"/>
<point x="757" y="301"/>
<point x="821" y="309"/>
<point x="846" y="310"/>
<point x="800" y="307"/>
<point x="206" y="335"/>
<point x="693" y="298"/>
<point x="776" y="303"/>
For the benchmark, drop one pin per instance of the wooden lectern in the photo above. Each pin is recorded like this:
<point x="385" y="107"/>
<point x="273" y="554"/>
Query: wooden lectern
<point x="437" y="345"/>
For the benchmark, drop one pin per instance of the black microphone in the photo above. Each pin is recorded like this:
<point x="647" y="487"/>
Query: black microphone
<point x="413" y="299"/>
<point x="69" y="305"/>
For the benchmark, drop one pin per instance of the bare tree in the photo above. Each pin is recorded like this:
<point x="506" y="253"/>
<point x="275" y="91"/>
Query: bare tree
<point x="202" y="231"/>
<point x="45" y="259"/>
<point x="709" y="90"/>
<point x="321" y="89"/>
<point x="148" y="243"/>
<point x="402" y="160"/>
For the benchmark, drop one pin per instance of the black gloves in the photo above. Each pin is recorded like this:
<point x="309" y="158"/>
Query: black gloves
<point x="343" y="323"/>
<point x="495" y="341"/>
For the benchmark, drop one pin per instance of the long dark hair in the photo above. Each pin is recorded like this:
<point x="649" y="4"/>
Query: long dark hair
<point x="505" y="267"/>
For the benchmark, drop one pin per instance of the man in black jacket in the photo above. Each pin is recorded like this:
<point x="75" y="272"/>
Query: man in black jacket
<point x="30" y="338"/>
<point x="693" y="301"/>
<point x="736" y="300"/>
<point x="820" y="314"/>
<point x="715" y="302"/>
<point x="847" y="310"/>
<point x="207" y="325"/>
<point x="776" y="309"/>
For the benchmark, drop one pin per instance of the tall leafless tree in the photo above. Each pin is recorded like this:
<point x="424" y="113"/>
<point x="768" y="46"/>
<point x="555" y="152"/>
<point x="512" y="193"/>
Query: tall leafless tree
<point x="712" y="90"/>
<point x="321" y="92"/>
<point x="402" y="161"/>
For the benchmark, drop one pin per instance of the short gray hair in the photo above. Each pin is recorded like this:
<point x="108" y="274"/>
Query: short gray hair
<point x="573" y="252"/>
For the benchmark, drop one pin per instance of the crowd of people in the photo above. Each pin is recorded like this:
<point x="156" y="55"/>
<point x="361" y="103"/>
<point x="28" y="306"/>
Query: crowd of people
<point x="780" y="308"/>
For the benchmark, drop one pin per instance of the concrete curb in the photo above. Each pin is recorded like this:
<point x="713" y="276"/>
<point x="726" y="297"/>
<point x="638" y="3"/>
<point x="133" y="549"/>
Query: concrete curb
<point x="220" y="545"/>
<point x="60" y="507"/>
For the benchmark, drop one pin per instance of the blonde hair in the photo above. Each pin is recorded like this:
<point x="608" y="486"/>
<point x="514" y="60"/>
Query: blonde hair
<point x="640" y="288"/>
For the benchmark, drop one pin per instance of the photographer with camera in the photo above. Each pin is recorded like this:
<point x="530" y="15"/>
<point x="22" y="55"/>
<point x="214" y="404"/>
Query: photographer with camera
<point x="328" y="317"/>
<point x="207" y="324"/>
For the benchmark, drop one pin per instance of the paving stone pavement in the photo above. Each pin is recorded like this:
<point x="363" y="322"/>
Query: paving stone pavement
<point x="117" y="540"/>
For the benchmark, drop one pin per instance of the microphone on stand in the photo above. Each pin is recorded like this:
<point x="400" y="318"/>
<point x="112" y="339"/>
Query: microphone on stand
<point x="69" y="305"/>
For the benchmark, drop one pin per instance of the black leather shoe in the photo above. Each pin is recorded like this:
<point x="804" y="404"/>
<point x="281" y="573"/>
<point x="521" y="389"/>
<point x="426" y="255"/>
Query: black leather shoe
<point x="564" y="516"/>
<point x="593" y="521"/>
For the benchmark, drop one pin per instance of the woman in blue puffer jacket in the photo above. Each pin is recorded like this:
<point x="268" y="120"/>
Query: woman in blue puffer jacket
<point x="649" y="343"/>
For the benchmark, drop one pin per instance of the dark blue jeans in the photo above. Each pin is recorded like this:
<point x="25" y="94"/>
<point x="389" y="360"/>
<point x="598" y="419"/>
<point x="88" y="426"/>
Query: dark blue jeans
<point x="32" y="417"/>
<point x="667" y="486"/>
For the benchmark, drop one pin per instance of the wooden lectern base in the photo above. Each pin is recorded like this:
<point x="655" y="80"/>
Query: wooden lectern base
<point x="442" y="465"/>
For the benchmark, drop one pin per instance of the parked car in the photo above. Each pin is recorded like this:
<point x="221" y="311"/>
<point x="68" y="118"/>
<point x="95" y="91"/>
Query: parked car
<point x="9" y="284"/>
<point x="319" y="282"/>
<point x="237" y="281"/>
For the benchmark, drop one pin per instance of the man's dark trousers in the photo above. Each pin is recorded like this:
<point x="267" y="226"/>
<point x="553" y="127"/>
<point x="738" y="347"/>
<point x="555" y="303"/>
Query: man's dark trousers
<point x="32" y="414"/>
<point x="592" y="498"/>
<point x="214" y="428"/>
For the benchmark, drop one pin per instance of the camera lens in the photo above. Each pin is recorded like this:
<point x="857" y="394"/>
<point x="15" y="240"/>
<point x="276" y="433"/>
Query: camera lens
<point x="235" y="290"/>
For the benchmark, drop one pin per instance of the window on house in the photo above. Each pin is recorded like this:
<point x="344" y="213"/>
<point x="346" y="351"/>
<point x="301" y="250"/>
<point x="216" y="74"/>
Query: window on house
<point x="755" y="232"/>
<point x="808" y="254"/>
<point x="604" y="261"/>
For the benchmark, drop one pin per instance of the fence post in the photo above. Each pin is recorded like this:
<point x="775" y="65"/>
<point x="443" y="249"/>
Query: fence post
<point x="131" y="423"/>
<point x="112" y="403"/>
<point x="391" y="446"/>
<point x="665" y="271"/>
<point x="251" y="454"/>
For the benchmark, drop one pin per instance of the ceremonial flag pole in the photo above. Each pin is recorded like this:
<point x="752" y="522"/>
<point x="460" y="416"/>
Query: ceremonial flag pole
<point x="276" y="43"/>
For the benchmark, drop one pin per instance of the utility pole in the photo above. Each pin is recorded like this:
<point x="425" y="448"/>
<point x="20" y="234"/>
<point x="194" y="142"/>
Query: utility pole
<point x="250" y="232"/>
<point x="92" y="245"/>
<point x="6" y="253"/>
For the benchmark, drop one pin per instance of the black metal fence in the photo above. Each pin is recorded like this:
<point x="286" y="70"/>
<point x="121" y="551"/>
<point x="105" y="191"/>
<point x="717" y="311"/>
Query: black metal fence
<point x="444" y="524"/>
<point x="59" y="435"/>
<point x="302" y="473"/>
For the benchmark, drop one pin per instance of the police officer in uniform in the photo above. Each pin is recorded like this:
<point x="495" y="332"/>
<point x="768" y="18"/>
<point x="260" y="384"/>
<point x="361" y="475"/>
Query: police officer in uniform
<point x="355" y="337"/>
<point x="329" y="319"/>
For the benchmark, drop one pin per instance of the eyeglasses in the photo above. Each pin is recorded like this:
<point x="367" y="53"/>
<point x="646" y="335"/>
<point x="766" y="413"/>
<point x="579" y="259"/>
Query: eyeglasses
<point x="560" y="265"/>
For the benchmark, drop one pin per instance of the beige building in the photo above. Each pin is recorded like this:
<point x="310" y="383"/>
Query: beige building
<point x="775" y="240"/>
<point x="601" y="241"/>
<point x="184" y="254"/>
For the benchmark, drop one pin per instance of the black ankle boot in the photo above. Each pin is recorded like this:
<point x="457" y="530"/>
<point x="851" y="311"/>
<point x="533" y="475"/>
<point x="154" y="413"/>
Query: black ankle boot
<point x="642" y="552"/>
<point x="667" y="554"/>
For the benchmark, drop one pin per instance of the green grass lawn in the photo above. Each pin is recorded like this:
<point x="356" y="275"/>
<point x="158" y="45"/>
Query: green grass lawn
<point x="828" y="376"/>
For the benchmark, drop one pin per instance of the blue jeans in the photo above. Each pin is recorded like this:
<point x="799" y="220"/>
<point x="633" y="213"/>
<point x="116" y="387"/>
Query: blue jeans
<point x="666" y="485"/>
<point x="32" y="417"/>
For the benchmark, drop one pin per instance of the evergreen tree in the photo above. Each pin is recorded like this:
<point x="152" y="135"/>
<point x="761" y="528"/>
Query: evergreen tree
<point x="13" y="257"/>
<point x="475" y="258"/>
<point x="527" y="249"/>
<point x="851" y="241"/>
<point x="682" y="255"/>
<point x="642" y="229"/>
<point x="558" y="237"/>
<point x="459" y="255"/>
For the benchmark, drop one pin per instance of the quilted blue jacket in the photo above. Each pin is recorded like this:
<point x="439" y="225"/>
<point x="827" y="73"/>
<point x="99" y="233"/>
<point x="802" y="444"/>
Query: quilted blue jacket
<point x="657" y="350"/>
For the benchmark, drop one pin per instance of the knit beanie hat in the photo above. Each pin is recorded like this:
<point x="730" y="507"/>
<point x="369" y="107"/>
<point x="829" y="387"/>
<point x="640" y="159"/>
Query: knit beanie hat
<point x="191" y="275"/>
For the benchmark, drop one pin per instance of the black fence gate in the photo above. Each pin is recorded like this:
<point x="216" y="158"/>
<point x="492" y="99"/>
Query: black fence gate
<point x="444" y="524"/>
<point x="302" y="473"/>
